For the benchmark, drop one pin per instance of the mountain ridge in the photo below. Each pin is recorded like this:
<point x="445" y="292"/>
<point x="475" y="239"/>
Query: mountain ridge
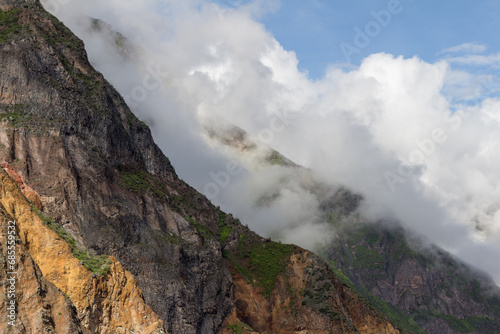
<point x="104" y="183"/>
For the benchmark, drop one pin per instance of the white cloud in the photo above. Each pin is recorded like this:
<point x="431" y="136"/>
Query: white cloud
<point x="352" y="127"/>
<point x="465" y="48"/>
<point x="492" y="60"/>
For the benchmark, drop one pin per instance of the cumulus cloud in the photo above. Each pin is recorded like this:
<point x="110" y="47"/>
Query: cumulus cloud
<point x="390" y="129"/>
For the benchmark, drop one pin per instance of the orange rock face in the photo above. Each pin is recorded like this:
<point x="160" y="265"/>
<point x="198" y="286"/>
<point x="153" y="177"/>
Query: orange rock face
<point x="293" y="305"/>
<point x="110" y="303"/>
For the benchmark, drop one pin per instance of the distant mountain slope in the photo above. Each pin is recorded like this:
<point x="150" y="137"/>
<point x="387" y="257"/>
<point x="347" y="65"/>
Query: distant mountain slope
<point x="107" y="190"/>
<point x="439" y="292"/>
<point x="381" y="260"/>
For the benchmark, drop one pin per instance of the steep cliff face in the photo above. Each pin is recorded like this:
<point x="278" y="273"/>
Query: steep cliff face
<point x="99" y="174"/>
<point x="39" y="306"/>
<point x="107" y="299"/>
<point x="114" y="200"/>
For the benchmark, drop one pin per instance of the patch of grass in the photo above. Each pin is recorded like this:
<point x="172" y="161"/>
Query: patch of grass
<point x="224" y="233"/>
<point x="15" y="114"/>
<point x="240" y="328"/>
<point x="10" y="27"/>
<point x="170" y="238"/>
<point x="368" y="258"/>
<point x="267" y="261"/>
<point x="276" y="159"/>
<point x="204" y="231"/>
<point x="141" y="182"/>
<point x="260" y="262"/>
<point x="98" y="264"/>
<point x="224" y="228"/>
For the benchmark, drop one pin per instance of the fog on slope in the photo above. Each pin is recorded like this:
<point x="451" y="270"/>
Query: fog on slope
<point x="389" y="129"/>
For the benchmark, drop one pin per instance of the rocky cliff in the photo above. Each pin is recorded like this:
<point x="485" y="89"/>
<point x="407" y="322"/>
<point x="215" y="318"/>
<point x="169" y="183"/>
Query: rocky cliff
<point x="114" y="202"/>
<point x="106" y="297"/>
<point x="417" y="285"/>
<point x="38" y="306"/>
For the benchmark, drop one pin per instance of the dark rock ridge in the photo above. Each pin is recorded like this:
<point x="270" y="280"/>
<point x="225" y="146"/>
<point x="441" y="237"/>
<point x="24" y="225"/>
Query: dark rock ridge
<point x="69" y="135"/>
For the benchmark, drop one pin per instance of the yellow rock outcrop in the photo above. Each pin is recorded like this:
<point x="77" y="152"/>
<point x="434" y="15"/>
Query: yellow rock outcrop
<point x="111" y="303"/>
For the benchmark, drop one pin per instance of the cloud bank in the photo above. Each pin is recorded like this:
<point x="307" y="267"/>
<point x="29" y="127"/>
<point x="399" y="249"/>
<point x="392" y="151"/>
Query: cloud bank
<point x="393" y="129"/>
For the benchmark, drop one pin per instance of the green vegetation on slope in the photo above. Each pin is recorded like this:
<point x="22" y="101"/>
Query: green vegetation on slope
<point x="240" y="328"/>
<point x="260" y="261"/>
<point x="479" y="324"/>
<point x="395" y="316"/>
<point x="371" y="253"/>
<point x="140" y="182"/>
<point x="98" y="264"/>
<point x="10" y="28"/>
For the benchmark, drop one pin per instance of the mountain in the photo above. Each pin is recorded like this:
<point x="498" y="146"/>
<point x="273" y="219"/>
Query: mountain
<point x="109" y="239"/>
<point x="440" y="292"/>
<point x="395" y="270"/>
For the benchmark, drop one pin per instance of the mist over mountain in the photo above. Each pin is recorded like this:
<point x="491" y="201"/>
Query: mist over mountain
<point x="391" y="129"/>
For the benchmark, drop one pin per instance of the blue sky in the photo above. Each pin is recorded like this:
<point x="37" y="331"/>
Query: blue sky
<point x="314" y="29"/>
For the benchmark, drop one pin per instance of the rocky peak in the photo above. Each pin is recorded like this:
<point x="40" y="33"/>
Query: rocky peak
<point x="108" y="193"/>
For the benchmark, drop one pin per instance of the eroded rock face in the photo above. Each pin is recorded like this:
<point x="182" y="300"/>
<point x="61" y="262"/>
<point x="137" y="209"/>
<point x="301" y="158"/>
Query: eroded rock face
<point x="69" y="135"/>
<point x="41" y="307"/>
<point x="307" y="298"/>
<point x="10" y="4"/>
<point x="100" y="175"/>
<point x="439" y="292"/>
<point x="110" y="302"/>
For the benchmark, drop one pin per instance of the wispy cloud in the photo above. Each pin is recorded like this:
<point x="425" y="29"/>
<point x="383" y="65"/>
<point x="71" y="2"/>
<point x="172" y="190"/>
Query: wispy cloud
<point x="464" y="48"/>
<point x="491" y="60"/>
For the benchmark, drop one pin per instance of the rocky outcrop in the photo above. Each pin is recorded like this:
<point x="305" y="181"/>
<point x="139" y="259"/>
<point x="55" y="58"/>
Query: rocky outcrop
<point x="110" y="193"/>
<point x="107" y="301"/>
<point x="30" y="303"/>
<point x="307" y="298"/>
<point x="284" y="289"/>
